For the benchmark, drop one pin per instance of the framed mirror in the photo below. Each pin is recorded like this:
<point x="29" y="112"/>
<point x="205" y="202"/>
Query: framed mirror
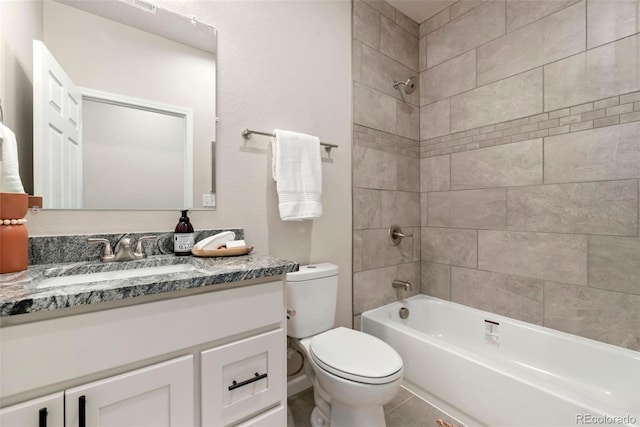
<point x="124" y="107"/>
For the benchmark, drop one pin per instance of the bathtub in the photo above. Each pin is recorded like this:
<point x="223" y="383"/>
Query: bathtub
<point x="490" y="370"/>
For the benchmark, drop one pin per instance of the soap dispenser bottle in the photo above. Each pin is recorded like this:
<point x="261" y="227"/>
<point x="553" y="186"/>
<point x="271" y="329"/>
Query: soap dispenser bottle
<point x="183" y="238"/>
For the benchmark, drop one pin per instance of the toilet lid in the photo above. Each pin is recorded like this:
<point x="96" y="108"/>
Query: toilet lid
<point x="361" y="357"/>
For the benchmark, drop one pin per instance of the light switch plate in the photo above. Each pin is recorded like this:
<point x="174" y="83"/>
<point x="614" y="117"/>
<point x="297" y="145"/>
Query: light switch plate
<point x="209" y="200"/>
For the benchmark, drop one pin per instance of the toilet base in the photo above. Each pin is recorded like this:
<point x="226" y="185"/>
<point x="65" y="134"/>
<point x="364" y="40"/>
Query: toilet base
<point x="317" y="419"/>
<point x="348" y="416"/>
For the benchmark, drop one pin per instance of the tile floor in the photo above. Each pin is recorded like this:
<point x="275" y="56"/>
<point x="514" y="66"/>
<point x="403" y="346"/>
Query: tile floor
<point x="405" y="410"/>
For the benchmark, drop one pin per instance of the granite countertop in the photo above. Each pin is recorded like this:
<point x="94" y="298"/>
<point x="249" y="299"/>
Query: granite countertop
<point x="27" y="291"/>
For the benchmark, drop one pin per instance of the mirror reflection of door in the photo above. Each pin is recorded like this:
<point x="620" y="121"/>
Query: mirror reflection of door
<point x="57" y="135"/>
<point x="137" y="154"/>
<point x="97" y="150"/>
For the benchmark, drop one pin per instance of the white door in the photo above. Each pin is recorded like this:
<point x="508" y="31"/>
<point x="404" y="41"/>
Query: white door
<point x="157" y="396"/>
<point x="46" y="411"/>
<point x="57" y="133"/>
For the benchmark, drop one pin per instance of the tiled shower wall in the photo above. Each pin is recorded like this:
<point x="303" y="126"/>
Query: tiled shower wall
<point x="386" y="151"/>
<point x="530" y="160"/>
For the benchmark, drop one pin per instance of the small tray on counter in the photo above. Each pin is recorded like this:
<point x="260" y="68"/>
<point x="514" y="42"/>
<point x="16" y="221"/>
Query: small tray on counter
<point x="222" y="252"/>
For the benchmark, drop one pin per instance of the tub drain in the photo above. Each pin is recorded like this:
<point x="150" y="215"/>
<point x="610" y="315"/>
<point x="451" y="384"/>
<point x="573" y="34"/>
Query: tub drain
<point x="404" y="313"/>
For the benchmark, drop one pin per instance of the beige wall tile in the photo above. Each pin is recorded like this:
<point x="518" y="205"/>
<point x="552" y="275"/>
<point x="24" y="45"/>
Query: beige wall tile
<point x="480" y="25"/>
<point x="508" y="165"/>
<point x="435" y="119"/>
<point x="436" y="280"/>
<point x="399" y="207"/>
<point x="450" y="246"/>
<point x="378" y="252"/>
<point x="422" y="52"/>
<point x="424" y="209"/>
<point x="611" y="20"/>
<point x="398" y="44"/>
<point x="508" y="99"/>
<point x="486" y="209"/>
<point x="408" y="120"/>
<point x="356" y="60"/>
<point x="614" y="263"/>
<point x="374" y="169"/>
<point x="591" y="208"/>
<point x="461" y="7"/>
<point x="436" y="21"/>
<point x="379" y="72"/>
<point x="558" y="257"/>
<point x="357" y="250"/>
<point x="523" y="12"/>
<point x="593" y="74"/>
<point x="408" y="173"/>
<point x="555" y="37"/>
<point x="449" y="78"/>
<point x="611" y="317"/>
<point x="374" y="109"/>
<point x="366" y="208"/>
<point x="407" y="23"/>
<point x="372" y="289"/>
<point x="512" y="296"/>
<point x="435" y="173"/>
<point x="593" y="155"/>
<point x="366" y="24"/>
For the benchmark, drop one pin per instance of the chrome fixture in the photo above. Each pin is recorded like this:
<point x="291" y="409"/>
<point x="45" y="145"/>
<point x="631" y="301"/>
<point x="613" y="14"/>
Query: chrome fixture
<point x="402" y="285"/>
<point x="246" y="133"/>
<point x="404" y="313"/>
<point x="123" y="251"/>
<point x="396" y="235"/>
<point x="399" y="286"/>
<point x="410" y="85"/>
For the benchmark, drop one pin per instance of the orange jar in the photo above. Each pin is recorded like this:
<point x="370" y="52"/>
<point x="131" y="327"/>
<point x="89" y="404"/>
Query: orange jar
<point x="14" y="238"/>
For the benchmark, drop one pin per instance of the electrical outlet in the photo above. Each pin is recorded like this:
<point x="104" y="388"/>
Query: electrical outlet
<point x="209" y="200"/>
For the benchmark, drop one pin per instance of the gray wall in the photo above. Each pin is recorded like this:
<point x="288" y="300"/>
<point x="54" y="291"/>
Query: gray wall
<point x="530" y="159"/>
<point x="386" y="164"/>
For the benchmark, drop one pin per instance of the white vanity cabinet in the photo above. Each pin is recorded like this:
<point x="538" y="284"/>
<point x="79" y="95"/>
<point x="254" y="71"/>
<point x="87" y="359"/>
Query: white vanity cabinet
<point x="160" y="395"/>
<point x="47" y="411"/>
<point x="165" y="363"/>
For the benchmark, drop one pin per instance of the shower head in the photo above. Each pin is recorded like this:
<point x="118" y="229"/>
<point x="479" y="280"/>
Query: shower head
<point x="410" y="85"/>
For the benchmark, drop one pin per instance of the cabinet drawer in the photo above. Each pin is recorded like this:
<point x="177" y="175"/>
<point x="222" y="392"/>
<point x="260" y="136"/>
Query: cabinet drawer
<point x="272" y="418"/>
<point x="242" y="378"/>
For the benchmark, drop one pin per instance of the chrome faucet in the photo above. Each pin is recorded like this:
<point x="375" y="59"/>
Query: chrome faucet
<point x="401" y="284"/>
<point x="123" y="251"/>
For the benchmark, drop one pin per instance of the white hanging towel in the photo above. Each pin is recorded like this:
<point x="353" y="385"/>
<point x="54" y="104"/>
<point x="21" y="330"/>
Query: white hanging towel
<point x="9" y="171"/>
<point x="297" y="170"/>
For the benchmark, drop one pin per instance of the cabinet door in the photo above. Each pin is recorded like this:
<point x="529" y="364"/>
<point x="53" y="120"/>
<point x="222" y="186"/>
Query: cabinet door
<point x="242" y="378"/>
<point x="156" y="396"/>
<point x="46" y="411"/>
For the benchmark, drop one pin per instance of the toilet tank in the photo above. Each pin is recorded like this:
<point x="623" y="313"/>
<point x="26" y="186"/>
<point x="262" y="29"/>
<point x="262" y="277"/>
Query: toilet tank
<point x="312" y="293"/>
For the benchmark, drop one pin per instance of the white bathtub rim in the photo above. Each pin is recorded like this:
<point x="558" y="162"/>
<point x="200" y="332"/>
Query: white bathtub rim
<point x="527" y="325"/>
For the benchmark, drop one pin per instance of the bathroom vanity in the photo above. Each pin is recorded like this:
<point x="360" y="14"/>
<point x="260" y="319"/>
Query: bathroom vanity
<point x="204" y="346"/>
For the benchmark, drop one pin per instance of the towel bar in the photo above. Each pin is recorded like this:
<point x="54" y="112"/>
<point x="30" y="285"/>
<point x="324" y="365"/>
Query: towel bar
<point x="247" y="134"/>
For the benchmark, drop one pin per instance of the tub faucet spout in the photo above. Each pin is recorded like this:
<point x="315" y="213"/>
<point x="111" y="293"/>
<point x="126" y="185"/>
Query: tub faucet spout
<point x="401" y="284"/>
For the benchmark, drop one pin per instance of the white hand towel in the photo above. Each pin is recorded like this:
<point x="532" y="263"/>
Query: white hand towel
<point x="297" y="170"/>
<point x="9" y="172"/>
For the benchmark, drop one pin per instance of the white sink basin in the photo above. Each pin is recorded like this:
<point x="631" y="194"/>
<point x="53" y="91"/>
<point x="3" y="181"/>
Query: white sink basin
<point x="115" y="275"/>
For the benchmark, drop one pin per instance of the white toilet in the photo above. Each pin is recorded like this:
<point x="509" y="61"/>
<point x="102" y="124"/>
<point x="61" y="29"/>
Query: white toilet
<point x="353" y="373"/>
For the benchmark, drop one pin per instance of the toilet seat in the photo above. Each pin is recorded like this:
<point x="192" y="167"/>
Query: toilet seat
<point x="362" y="357"/>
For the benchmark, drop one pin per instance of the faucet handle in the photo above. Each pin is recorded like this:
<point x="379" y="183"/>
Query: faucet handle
<point x="139" y="253"/>
<point x="107" y="253"/>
